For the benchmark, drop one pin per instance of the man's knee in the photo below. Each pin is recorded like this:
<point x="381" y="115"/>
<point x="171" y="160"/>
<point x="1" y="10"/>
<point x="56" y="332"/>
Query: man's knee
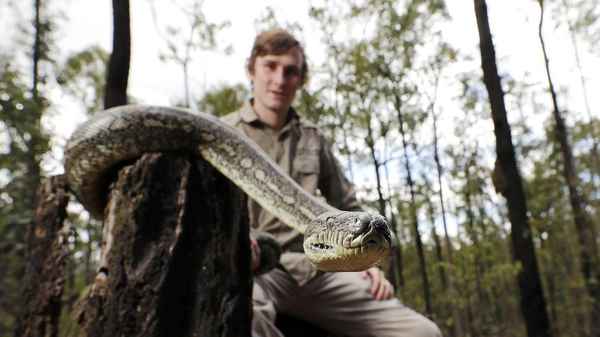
<point x="424" y="327"/>
<point x="406" y="323"/>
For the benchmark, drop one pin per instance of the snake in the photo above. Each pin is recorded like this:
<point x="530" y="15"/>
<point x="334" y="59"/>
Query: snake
<point x="334" y="240"/>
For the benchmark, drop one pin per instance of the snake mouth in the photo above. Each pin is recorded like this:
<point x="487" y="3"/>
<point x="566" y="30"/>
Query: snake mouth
<point x="363" y="242"/>
<point x="334" y="251"/>
<point x="320" y="246"/>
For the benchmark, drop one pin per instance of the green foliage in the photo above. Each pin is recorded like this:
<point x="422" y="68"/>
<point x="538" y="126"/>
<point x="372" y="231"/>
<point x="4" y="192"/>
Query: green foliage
<point x="223" y="99"/>
<point x="552" y="223"/>
<point x="267" y="20"/>
<point x="83" y="76"/>
<point x="199" y="34"/>
<point x="581" y="18"/>
<point x="22" y="145"/>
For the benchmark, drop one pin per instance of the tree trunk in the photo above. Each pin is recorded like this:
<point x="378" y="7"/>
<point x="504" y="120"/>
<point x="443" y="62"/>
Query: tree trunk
<point x="457" y="329"/>
<point x="175" y="258"/>
<point x="438" y="247"/>
<point x="118" y="66"/>
<point x="376" y="165"/>
<point x="533" y="304"/>
<point x="584" y="227"/>
<point x="36" y="49"/>
<point x="35" y="144"/>
<point x="46" y="259"/>
<point x="413" y="210"/>
<point x="473" y="235"/>
<point x="395" y="269"/>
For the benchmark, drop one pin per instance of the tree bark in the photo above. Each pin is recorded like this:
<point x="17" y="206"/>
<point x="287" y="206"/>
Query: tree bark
<point x="46" y="260"/>
<point x="586" y="234"/>
<point x="533" y="304"/>
<point x="118" y="66"/>
<point x="175" y="258"/>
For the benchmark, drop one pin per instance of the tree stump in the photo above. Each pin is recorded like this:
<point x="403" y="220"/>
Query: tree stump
<point x="46" y="259"/>
<point x="175" y="258"/>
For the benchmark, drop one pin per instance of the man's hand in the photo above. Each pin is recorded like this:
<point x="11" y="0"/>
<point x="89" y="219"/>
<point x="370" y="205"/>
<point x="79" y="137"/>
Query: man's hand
<point x="255" y="252"/>
<point x="381" y="288"/>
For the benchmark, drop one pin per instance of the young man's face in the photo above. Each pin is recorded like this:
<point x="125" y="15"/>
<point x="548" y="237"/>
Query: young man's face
<point x="276" y="79"/>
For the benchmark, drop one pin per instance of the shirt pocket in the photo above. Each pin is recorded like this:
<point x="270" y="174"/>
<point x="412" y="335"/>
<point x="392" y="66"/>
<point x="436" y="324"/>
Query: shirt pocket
<point x="306" y="172"/>
<point x="306" y="165"/>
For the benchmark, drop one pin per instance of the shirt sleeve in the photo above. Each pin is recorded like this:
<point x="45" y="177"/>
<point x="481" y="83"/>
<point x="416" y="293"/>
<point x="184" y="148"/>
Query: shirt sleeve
<point x="333" y="184"/>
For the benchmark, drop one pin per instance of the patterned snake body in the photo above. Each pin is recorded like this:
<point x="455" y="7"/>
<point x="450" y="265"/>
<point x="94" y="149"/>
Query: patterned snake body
<point x="334" y="240"/>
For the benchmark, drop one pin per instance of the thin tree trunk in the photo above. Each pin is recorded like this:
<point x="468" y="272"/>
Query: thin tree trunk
<point x="533" y="303"/>
<point x="439" y="256"/>
<point x="89" y="274"/>
<point x="395" y="269"/>
<point x="583" y="223"/>
<point x="376" y="165"/>
<point x="438" y="246"/>
<point x="36" y="139"/>
<point x="440" y="173"/>
<point x="186" y="83"/>
<point x="474" y="237"/>
<point x="552" y="294"/>
<point x="396" y="254"/>
<point x="457" y="329"/>
<point x="163" y="269"/>
<point x="36" y="50"/>
<point x="593" y="128"/>
<point x="399" y="262"/>
<point x="472" y="329"/>
<point x="413" y="210"/>
<point x="35" y="147"/>
<point x="44" y="280"/>
<point x="118" y="66"/>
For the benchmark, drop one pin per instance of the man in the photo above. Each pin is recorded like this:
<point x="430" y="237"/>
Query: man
<point x="348" y="304"/>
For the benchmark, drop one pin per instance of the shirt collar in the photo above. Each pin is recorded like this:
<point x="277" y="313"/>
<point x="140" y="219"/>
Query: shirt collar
<point x="249" y="116"/>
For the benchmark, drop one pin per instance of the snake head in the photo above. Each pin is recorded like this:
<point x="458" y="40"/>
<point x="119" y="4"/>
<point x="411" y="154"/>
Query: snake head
<point x="347" y="241"/>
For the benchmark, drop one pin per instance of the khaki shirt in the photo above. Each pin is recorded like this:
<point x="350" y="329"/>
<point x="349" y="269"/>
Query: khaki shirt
<point x="302" y="152"/>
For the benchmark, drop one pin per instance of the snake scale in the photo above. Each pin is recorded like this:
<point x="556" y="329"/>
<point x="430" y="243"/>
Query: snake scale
<point x="334" y="240"/>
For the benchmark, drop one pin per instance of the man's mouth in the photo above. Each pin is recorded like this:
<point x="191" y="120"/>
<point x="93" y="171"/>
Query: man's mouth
<point x="278" y="94"/>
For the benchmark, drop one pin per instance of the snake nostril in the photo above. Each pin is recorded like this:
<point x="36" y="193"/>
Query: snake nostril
<point x="381" y="226"/>
<point x="364" y="224"/>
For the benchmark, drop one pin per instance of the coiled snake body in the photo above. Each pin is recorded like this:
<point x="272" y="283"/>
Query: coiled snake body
<point x="334" y="240"/>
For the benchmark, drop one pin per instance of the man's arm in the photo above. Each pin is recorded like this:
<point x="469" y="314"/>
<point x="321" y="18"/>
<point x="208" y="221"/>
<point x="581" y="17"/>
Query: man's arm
<point x="333" y="184"/>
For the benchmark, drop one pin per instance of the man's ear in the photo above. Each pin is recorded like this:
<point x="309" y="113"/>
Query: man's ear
<point x="249" y="71"/>
<point x="250" y="75"/>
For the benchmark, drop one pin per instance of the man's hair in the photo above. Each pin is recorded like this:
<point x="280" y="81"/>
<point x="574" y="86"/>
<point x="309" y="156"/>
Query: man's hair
<point x="276" y="42"/>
